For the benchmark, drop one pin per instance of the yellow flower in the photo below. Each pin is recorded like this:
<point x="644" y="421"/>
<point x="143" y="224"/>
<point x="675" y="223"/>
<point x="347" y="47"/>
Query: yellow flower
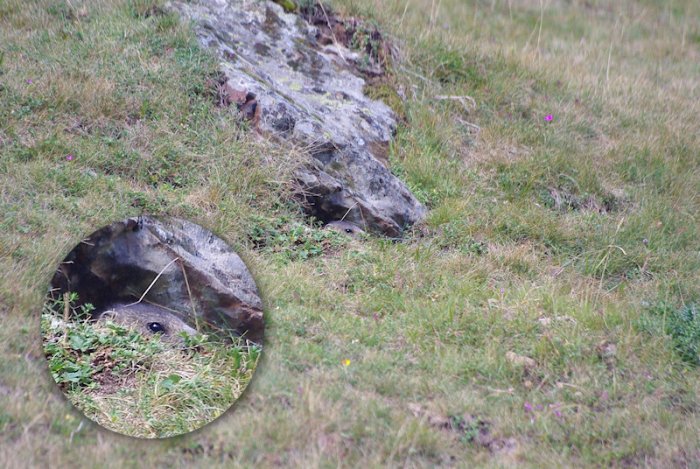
<point x="346" y="362"/>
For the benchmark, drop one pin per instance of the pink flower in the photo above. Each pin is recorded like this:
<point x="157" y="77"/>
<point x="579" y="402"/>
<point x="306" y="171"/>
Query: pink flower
<point x="30" y="81"/>
<point x="549" y="117"/>
<point x="528" y="407"/>
<point x="69" y="157"/>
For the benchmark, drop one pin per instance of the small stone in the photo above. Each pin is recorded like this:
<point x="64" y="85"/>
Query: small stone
<point x="520" y="360"/>
<point x="606" y="350"/>
<point x="234" y="95"/>
<point x="547" y="321"/>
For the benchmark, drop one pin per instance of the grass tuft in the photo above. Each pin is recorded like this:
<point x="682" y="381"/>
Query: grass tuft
<point x="681" y="324"/>
<point x="140" y="386"/>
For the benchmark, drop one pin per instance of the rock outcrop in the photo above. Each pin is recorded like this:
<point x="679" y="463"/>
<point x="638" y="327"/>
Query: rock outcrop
<point x="120" y="262"/>
<point x="293" y="87"/>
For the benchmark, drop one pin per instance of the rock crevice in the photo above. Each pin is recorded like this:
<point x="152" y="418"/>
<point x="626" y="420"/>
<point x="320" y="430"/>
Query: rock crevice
<point x="178" y="265"/>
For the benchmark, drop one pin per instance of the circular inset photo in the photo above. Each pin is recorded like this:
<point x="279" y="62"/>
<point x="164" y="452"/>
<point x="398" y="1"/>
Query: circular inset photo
<point x="152" y="327"/>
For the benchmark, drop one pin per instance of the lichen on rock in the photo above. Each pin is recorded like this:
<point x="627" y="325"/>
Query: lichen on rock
<point x="309" y="93"/>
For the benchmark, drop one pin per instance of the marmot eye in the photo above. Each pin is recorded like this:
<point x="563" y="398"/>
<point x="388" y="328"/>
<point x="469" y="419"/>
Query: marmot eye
<point x="156" y="327"/>
<point x="348" y="230"/>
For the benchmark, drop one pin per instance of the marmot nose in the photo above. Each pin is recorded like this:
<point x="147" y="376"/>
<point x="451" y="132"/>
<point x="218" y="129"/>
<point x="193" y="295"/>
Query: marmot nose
<point x="156" y="327"/>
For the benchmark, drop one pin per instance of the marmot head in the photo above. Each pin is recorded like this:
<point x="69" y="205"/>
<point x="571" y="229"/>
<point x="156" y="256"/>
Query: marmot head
<point x="347" y="228"/>
<point x="148" y="320"/>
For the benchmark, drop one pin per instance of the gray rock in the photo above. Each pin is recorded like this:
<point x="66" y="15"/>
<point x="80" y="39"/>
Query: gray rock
<point x="118" y="263"/>
<point x="311" y="95"/>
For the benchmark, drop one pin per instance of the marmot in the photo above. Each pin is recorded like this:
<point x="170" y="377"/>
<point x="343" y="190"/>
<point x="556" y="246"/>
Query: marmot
<point x="347" y="228"/>
<point x="147" y="319"/>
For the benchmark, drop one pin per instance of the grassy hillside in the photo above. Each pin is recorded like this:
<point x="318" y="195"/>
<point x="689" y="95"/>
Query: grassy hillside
<point x="546" y="314"/>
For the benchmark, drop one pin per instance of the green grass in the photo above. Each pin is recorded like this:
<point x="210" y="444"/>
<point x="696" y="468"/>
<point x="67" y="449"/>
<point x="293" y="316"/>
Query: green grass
<point x="291" y="240"/>
<point x="498" y="267"/>
<point x="140" y="386"/>
<point x="681" y="324"/>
